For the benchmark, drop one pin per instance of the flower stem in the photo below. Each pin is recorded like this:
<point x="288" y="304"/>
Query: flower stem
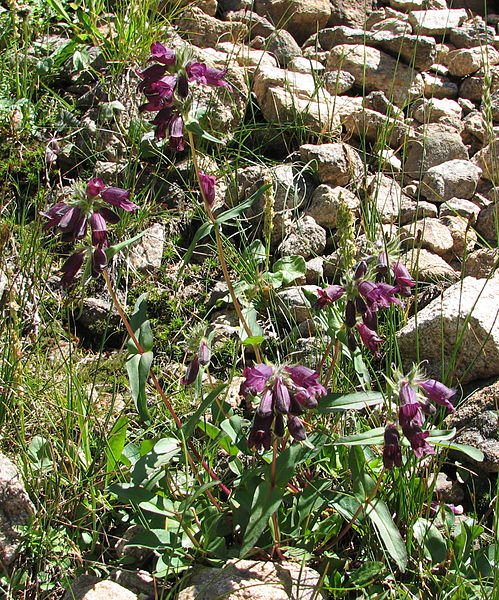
<point x="220" y="250"/>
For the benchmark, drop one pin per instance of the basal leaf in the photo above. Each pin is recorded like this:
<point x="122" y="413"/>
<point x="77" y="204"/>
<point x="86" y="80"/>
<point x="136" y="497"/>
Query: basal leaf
<point x="378" y="513"/>
<point x="355" y="401"/>
<point x="137" y="367"/>
<point x="431" y="541"/>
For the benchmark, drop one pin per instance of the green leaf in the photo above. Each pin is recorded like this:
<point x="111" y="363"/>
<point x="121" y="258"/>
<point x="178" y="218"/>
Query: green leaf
<point x="140" y="326"/>
<point x="201" y="233"/>
<point x="137" y="367"/>
<point x="368" y="438"/>
<point x="81" y="61"/>
<point x="116" y="443"/>
<point x="112" y="250"/>
<point x="368" y="572"/>
<point x="355" y="401"/>
<point x="255" y="253"/>
<point x="390" y="536"/>
<point x="291" y="267"/>
<point x="431" y="541"/>
<point x="195" y="127"/>
<point x="473" y="453"/>
<point x="191" y="424"/>
<point x="58" y="7"/>
<point x="250" y="315"/>
<point x="254" y="340"/>
<point x="266" y="501"/>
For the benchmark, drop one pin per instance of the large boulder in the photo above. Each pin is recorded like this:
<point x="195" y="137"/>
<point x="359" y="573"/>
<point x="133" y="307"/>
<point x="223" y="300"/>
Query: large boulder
<point x="457" y="332"/>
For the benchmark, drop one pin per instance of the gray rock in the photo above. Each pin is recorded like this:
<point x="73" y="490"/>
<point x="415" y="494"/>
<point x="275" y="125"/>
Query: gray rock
<point x="467" y="61"/>
<point x="301" y="18"/>
<point x="463" y="235"/>
<point x="430" y="234"/>
<point x="473" y="32"/>
<point x="338" y="82"/>
<point x="428" y="110"/>
<point x="97" y="314"/>
<point x="462" y="207"/>
<point x="205" y="31"/>
<point x="88" y="587"/>
<point x="138" y="582"/>
<point x="283" y="46"/>
<point x="426" y="266"/>
<point x="293" y="303"/>
<point x="447" y="490"/>
<point x="315" y="270"/>
<point x="487" y="160"/>
<point x="135" y="554"/>
<point x="300" y="64"/>
<point x="256" y="24"/>
<point x="393" y="25"/>
<point x="438" y="86"/>
<point x="436" y="22"/>
<point x="338" y="163"/>
<point x="481" y="263"/>
<point x="242" y="579"/>
<point x="16" y="509"/>
<point x="450" y="179"/>
<point x="476" y="439"/>
<point x="350" y="12"/>
<point x="146" y="254"/>
<point x="246" y="56"/>
<point x="392" y="205"/>
<point x="464" y="319"/>
<point x="472" y="87"/>
<point x="326" y="202"/>
<point x="305" y="238"/>
<point x="487" y="223"/>
<point x="378" y="102"/>
<point x="366" y="124"/>
<point x="432" y="147"/>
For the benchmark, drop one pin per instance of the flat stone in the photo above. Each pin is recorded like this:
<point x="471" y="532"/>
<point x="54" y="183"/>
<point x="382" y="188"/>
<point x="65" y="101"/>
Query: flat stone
<point x="147" y="253"/>
<point x="463" y="235"/>
<point x="464" y="318"/>
<point x="462" y="207"/>
<point x="88" y="587"/>
<point x="430" y="234"/>
<point x="450" y="179"/>
<point x="16" y="509"/>
<point x="481" y="263"/>
<point x="370" y="125"/>
<point x="436" y="22"/>
<point x="427" y="110"/>
<point x="326" y="202"/>
<point x="337" y="163"/>
<point x="243" y="579"/>
<point x="426" y="266"/>
<point x="305" y="238"/>
<point x="376" y="70"/>
<point x="467" y="61"/>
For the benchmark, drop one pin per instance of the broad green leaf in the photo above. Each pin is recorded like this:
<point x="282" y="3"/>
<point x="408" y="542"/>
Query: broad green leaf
<point x="368" y="572"/>
<point x="368" y="438"/>
<point x="195" y="127"/>
<point x="363" y="483"/>
<point x="116" y="443"/>
<point x="137" y="367"/>
<point x="431" y="541"/>
<point x="290" y="267"/>
<point x="254" y="340"/>
<point x="390" y="536"/>
<point x="255" y="253"/>
<point x="166" y="445"/>
<point x="266" y="501"/>
<point x="156" y="539"/>
<point x="112" y="250"/>
<point x="273" y="279"/>
<point x="129" y="492"/>
<point x="355" y="401"/>
<point x="251" y="317"/>
<point x="140" y="326"/>
<point x="473" y="453"/>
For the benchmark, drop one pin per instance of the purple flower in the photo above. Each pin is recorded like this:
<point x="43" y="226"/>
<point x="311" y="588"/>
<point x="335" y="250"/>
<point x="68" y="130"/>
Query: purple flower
<point x="201" y="73"/>
<point x="438" y="392"/>
<point x="204" y="353"/>
<point x="208" y="186"/>
<point x="73" y="224"/>
<point x="328" y="296"/>
<point x="71" y="267"/>
<point x="266" y="406"/>
<point x="350" y="314"/>
<point x="192" y="372"/>
<point x="402" y="275"/>
<point x="411" y="415"/>
<point x="54" y="214"/>
<point x="164" y="55"/>
<point x="392" y="455"/>
<point x="118" y="197"/>
<point x="99" y="261"/>
<point x="369" y="338"/>
<point x="281" y="397"/>
<point x="417" y="439"/>
<point x="261" y="433"/>
<point x="306" y="388"/>
<point x="177" y="134"/>
<point x="99" y="229"/>
<point x="95" y="187"/>
<point x="370" y="319"/>
<point x="256" y="378"/>
<point x="378" y="295"/>
<point x="296" y="428"/>
<point x="382" y="266"/>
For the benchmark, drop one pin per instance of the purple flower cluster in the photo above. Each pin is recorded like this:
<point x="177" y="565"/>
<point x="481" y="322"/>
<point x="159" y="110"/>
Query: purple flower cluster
<point x="411" y="416"/>
<point x="285" y="392"/>
<point x="365" y="297"/>
<point x="87" y="206"/>
<point x="166" y="87"/>
<point x="202" y="358"/>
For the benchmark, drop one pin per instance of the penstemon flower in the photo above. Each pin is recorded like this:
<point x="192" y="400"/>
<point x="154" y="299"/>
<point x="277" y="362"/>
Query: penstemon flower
<point x="89" y="204"/>
<point x="286" y="392"/>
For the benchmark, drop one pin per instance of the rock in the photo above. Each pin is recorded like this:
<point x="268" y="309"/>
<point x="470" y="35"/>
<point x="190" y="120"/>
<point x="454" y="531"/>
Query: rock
<point x="436" y="22"/>
<point x="300" y="64"/>
<point x="472" y="33"/>
<point x="326" y="202"/>
<point x="241" y="579"/>
<point x="206" y="32"/>
<point x="135" y="554"/>
<point x="305" y="238"/>
<point x="337" y="164"/>
<point x="438" y="86"/>
<point x="207" y="6"/>
<point x="366" y="124"/>
<point x="246" y="56"/>
<point x="426" y="266"/>
<point x="460" y="320"/>
<point x="315" y="270"/>
<point x="256" y="24"/>
<point x="432" y="147"/>
<point x="16" y="509"/>
<point x="88" y="587"/>
<point x="376" y="70"/>
<point x="408" y="5"/>
<point x="350" y="12"/>
<point x="392" y="205"/>
<point x="418" y="51"/>
<point x="301" y="18"/>
<point x="481" y="263"/>
<point x="146" y="254"/>
<point x="393" y="25"/>
<point x="463" y="235"/>
<point x="378" y="102"/>
<point x="467" y="61"/>
<point x="487" y="160"/>
<point x="283" y="46"/>
<point x="474" y="437"/>
<point x="427" y="110"/>
<point x="302" y="84"/>
<point x="293" y="304"/>
<point x="450" y="179"/>
<point x="138" y="582"/>
<point x="447" y="490"/>
<point x="472" y="87"/>
<point x="430" y="234"/>
<point x="96" y="315"/>
<point x="460" y="206"/>
<point x="486" y="224"/>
